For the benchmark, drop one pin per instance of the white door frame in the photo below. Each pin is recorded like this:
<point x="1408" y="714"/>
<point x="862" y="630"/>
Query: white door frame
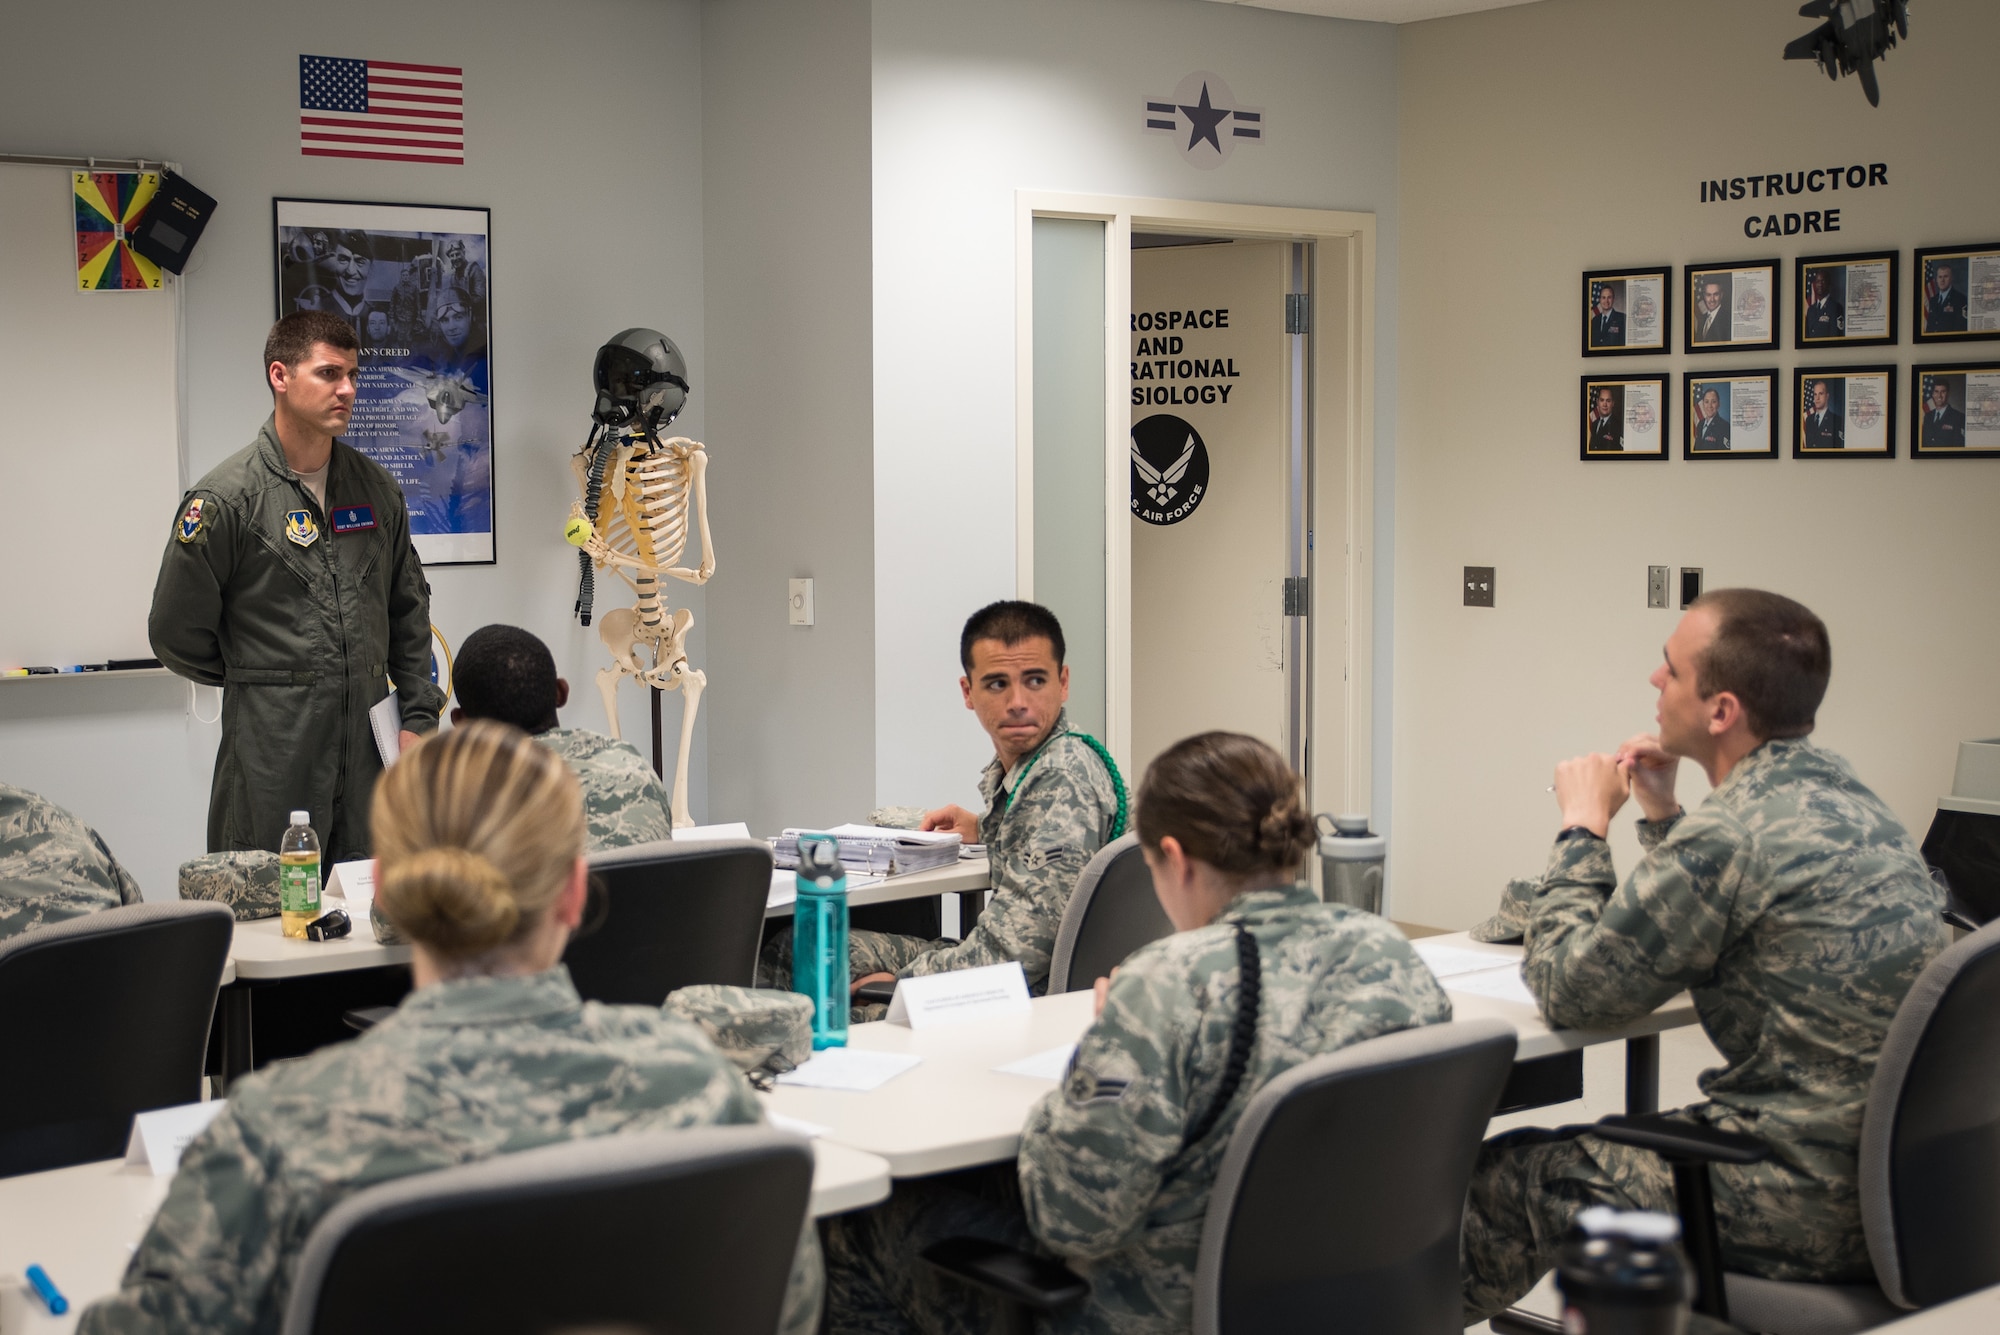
<point x="1343" y="437"/>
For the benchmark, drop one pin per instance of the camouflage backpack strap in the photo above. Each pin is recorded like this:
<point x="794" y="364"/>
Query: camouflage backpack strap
<point x="1117" y="782"/>
<point x="1242" y="1034"/>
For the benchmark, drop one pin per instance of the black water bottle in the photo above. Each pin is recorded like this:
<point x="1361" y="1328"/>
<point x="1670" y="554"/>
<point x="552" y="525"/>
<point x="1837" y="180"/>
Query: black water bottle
<point x="1621" y="1273"/>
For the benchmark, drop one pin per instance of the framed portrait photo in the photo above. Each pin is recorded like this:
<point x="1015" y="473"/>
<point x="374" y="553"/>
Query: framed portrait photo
<point x="1957" y="297"/>
<point x="1846" y="301"/>
<point x="1730" y="415"/>
<point x="414" y="282"/>
<point x="1627" y="311"/>
<point x="1955" y="411"/>
<point x="1845" y="412"/>
<point x="1733" y="307"/>
<point x="1624" y="417"/>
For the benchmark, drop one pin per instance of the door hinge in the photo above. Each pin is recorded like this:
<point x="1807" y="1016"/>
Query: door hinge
<point x="1298" y="312"/>
<point x="1298" y="596"/>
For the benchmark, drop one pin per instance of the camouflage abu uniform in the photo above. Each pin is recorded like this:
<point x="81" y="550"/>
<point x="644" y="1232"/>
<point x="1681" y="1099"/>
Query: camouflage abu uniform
<point x="1104" y="1182"/>
<point x="1793" y="905"/>
<point x="1043" y="823"/>
<point x="623" y="800"/>
<point x="463" y="1070"/>
<point x="53" y="867"/>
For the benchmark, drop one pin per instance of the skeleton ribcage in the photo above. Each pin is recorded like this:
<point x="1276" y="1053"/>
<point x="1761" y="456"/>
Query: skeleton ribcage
<point x="649" y="522"/>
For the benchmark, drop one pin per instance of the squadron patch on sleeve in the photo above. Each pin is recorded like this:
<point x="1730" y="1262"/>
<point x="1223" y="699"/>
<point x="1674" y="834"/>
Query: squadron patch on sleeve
<point x="190" y="523"/>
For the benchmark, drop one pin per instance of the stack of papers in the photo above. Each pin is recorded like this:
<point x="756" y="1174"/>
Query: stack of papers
<point x="875" y="850"/>
<point x="1475" y="971"/>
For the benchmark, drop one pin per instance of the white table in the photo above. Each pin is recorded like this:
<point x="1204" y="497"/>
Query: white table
<point x="1975" y="1314"/>
<point x="80" y="1224"/>
<point x="953" y="1110"/>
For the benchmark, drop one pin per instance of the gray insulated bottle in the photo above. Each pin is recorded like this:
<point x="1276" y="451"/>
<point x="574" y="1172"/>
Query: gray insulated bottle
<point x="1621" y="1273"/>
<point x="1350" y="862"/>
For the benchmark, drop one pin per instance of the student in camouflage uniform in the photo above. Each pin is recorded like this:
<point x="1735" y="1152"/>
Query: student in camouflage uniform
<point x="1116" y="1164"/>
<point x="506" y="673"/>
<point x="1051" y="798"/>
<point x="479" y="838"/>
<point x="53" y="867"/>
<point x="1791" y="903"/>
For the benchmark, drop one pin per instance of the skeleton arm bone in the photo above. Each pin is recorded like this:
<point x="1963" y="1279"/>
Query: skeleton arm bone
<point x="698" y="466"/>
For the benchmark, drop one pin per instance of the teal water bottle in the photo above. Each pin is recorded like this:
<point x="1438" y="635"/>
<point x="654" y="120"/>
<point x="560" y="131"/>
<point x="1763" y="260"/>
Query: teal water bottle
<point x="819" y="938"/>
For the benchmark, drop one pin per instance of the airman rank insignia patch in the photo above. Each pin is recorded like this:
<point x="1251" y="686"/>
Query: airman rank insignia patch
<point x="190" y="523"/>
<point x="300" y="529"/>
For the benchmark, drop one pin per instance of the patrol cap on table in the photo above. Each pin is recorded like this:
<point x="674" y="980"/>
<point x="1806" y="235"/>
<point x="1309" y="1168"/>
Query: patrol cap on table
<point x="763" y="1031"/>
<point x="246" y="880"/>
<point x="1510" y="924"/>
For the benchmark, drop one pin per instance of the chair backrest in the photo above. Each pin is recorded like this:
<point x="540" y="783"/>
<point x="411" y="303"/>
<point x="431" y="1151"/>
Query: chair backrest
<point x="1338" y="1202"/>
<point x="1930" y="1142"/>
<point x="1111" y="913"/>
<point x="108" y="1016"/>
<point x="674" y="914"/>
<point x="663" y="1231"/>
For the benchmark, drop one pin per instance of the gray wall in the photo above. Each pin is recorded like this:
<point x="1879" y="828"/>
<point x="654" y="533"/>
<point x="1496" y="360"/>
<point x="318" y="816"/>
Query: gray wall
<point x="786" y="145"/>
<point x="580" y="135"/>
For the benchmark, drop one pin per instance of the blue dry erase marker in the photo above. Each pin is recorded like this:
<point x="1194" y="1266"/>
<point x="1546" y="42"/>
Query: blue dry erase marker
<point x="47" y="1288"/>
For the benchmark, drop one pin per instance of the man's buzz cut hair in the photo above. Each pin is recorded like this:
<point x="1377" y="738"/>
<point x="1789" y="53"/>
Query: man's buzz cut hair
<point x="1010" y="621"/>
<point x="1771" y="653"/>
<point x="506" y="673"/>
<point x="291" y="340"/>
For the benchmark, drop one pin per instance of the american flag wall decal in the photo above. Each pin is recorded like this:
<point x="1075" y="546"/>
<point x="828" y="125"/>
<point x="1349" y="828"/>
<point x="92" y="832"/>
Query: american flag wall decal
<point x="381" y="109"/>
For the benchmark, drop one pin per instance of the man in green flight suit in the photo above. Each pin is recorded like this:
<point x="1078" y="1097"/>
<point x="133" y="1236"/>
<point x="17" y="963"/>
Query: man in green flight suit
<point x="289" y="580"/>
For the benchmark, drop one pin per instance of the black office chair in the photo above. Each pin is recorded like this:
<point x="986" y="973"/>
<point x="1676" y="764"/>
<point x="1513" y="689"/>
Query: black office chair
<point x="1111" y="913"/>
<point x="665" y="1231"/>
<point x="108" y="1016"/>
<point x="666" y="915"/>
<point x="1930" y="1165"/>
<point x="1338" y="1202"/>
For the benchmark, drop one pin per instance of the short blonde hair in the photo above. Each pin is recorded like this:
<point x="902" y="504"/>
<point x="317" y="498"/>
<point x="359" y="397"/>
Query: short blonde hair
<point x="476" y="832"/>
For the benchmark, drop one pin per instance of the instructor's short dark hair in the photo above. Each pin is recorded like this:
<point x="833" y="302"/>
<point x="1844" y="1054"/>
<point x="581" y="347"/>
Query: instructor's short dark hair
<point x="1010" y="622"/>
<point x="292" y="338"/>
<point x="1769" y="652"/>
<point x="506" y="673"/>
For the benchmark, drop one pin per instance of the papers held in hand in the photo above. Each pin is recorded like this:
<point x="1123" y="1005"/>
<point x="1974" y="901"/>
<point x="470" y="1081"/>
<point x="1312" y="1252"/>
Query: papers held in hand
<point x="386" y="721"/>
<point x="876" y="850"/>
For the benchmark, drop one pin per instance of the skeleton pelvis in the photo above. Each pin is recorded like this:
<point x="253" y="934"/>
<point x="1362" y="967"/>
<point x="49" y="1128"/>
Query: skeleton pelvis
<point x="627" y="638"/>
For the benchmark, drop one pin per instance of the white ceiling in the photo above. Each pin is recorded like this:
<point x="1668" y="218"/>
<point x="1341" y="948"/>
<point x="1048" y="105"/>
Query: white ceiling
<point x="1380" y="11"/>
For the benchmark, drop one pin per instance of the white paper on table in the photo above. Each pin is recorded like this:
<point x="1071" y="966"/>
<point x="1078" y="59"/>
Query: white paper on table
<point x="1050" y="1065"/>
<point x="734" y="829"/>
<point x="1500" y="984"/>
<point x="962" y="994"/>
<point x="851" y="1069"/>
<point x="159" y="1136"/>
<point x="1450" y="961"/>
<point x="798" y="1126"/>
<point x="785" y="887"/>
<point x="353" y="882"/>
<point x="386" y="721"/>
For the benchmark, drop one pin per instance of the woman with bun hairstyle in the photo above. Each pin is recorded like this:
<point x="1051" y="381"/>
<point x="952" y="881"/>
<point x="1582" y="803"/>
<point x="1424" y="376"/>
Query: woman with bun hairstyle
<point x="479" y="860"/>
<point x="1116" y="1164"/>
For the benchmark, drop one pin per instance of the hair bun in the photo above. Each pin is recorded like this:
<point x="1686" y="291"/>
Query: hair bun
<point x="1285" y="831"/>
<point x="454" y="898"/>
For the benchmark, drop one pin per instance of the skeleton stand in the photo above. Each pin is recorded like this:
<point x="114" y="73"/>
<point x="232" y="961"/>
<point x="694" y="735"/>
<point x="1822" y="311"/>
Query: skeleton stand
<point x="651" y="489"/>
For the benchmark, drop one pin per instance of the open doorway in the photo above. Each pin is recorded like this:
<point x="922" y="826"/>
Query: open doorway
<point x="1240" y="599"/>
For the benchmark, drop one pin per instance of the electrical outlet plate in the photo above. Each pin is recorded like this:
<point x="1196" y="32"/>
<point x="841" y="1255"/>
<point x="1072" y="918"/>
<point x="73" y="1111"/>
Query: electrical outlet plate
<point x="800" y="602"/>
<point x="1479" y="586"/>
<point x="1656" y="586"/>
<point x="1690" y="585"/>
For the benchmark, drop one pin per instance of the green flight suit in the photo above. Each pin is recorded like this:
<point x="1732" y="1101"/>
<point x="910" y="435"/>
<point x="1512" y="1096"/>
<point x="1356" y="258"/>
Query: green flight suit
<point x="304" y="628"/>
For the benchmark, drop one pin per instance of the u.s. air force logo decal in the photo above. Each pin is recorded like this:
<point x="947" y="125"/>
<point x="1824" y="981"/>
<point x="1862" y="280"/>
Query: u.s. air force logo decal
<point x="300" y="529"/>
<point x="191" y="520"/>
<point x="1169" y="469"/>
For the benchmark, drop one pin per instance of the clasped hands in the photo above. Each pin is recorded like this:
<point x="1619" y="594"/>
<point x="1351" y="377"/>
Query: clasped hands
<point x="1590" y="789"/>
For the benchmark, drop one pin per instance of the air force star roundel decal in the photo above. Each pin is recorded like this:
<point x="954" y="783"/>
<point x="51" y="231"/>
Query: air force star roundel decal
<point x="300" y="529"/>
<point x="1205" y="119"/>
<point x="1169" y="469"/>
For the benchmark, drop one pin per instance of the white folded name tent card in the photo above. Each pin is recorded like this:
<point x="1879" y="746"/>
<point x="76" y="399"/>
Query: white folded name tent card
<point x="963" y="994"/>
<point x="159" y="1136"/>
<point x="353" y="881"/>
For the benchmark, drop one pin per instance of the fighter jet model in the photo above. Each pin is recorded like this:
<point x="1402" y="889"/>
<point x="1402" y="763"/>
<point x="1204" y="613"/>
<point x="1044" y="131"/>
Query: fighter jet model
<point x="448" y="394"/>
<point x="1855" y="35"/>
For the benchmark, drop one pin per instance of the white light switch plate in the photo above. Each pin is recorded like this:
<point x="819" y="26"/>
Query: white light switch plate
<point x="800" y="602"/>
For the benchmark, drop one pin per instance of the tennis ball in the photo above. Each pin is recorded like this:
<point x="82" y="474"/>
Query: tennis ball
<point x="578" y="530"/>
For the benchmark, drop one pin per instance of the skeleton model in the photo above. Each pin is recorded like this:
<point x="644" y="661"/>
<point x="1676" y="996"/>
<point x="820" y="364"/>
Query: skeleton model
<point x="639" y="494"/>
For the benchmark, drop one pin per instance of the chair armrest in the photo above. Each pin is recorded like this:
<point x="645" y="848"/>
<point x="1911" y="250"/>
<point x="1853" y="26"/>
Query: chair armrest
<point x="1514" y="1321"/>
<point x="875" y="994"/>
<point x="1684" y="1141"/>
<point x="1032" y="1281"/>
<point x="363" y="1018"/>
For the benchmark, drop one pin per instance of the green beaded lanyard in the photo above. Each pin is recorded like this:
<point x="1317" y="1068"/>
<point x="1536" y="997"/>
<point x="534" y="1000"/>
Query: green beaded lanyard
<point x="1110" y="765"/>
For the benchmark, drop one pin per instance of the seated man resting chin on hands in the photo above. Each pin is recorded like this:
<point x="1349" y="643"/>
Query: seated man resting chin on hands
<point x="1791" y="903"/>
